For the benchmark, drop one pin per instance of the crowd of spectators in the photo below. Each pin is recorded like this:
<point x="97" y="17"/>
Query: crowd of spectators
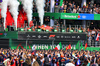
<point x="46" y="8"/>
<point x="91" y="37"/>
<point x="71" y="7"/>
<point x="23" y="57"/>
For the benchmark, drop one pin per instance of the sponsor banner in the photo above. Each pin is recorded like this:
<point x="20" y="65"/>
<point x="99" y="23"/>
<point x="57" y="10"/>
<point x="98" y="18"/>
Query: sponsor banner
<point x="76" y="16"/>
<point x="47" y="46"/>
<point x="69" y="15"/>
<point x="44" y="46"/>
<point x="39" y="44"/>
<point x="51" y="36"/>
<point x="8" y="35"/>
<point x="86" y="17"/>
<point x="96" y="16"/>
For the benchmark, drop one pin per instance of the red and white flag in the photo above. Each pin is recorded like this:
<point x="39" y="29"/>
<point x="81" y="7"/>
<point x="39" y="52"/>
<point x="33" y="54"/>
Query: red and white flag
<point x="97" y="38"/>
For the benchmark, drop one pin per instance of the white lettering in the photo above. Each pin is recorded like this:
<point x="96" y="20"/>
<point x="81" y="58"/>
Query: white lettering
<point x="42" y="47"/>
<point x="46" y="47"/>
<point x="39" y="47"/>
<point x="70" y="16"/>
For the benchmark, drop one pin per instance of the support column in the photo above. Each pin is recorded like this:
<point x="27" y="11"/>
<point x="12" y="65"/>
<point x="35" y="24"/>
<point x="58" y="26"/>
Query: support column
<point x="65" y="25"/>
<point x="10" y="43"/>
<point x="52" y="10"/>
<point x="83" y="3"/>
<point x="26" y="43"/>
<point x="64" y="22"/>
<point x="51" y="22"/>
<point x="84" y="23"/>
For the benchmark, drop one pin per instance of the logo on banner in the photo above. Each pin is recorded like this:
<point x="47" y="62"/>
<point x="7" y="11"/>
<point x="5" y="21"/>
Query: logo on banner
<point x="58" y="36"/>
<point x="5" y="34"/>
<point x="1" y="33"/>
<point x="84" y="17"/>
<point x="39" y="36"/>
<point x="52" y="36"/>
<point x="78" y="37"/>
<point x="28" y="36"/>
<point x="33" y="36"/>
<point x="79" y="16"/>
<point x="45" y="36"/>
<point x="70" y="16"/>
<point x="62" y="36"/>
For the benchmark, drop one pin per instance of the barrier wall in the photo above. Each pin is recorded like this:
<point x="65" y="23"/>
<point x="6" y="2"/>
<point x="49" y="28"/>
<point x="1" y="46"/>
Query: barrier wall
<point x="75" y="16"/>
<point x="48" y="45"/>
<point x="40" y="44"/>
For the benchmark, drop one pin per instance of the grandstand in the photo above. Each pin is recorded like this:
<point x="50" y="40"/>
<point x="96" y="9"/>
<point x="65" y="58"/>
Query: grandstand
<point x="66" y="19"/>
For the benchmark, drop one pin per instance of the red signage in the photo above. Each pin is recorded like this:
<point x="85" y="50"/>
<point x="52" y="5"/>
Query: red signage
<point x="52" y="36"/>
<point x="1" y="33"/>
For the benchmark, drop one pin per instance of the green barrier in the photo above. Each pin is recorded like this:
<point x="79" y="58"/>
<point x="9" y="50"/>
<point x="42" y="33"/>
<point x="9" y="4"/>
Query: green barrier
<point x="66" y="15"/>
<point x="48" y="45"/>
<point x="96" y="16"/>
<point x="93" y="48"/>
<point x="54" y="15"/>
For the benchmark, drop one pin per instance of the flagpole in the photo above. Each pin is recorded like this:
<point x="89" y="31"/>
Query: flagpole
<point x="26" y="43"/>
<point x="53" y="42"/>
<point x="79" y="44"/>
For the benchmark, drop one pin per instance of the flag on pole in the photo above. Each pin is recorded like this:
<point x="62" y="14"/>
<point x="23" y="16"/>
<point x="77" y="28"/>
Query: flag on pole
<point x="58" y="47"/>
<point x="85" y="45"/>
<point x="68" y="47"/>
<point x="61" y="2"/>
<point x="97" y="38"/>
<point x="77" y="45"/>
<point x="81" y="46"/>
